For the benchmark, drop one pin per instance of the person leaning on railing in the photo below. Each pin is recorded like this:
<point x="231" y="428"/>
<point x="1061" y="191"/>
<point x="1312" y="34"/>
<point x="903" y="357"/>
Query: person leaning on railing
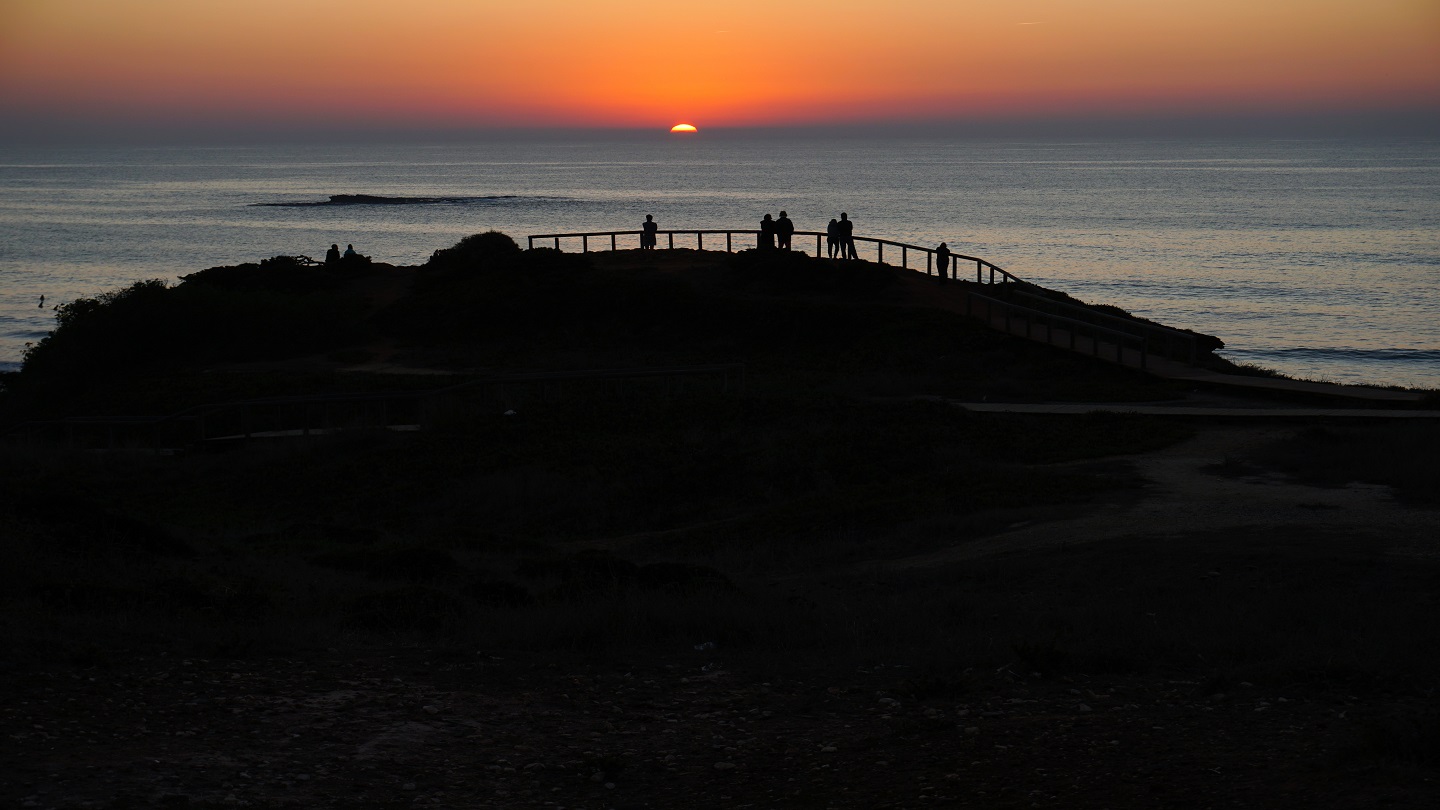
<point x="847" y="237"/>
<point x="767" y="233"/>
<point x="942" y="262"/>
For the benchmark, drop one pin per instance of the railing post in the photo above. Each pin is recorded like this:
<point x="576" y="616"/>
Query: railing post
<point x="699" y="241"/>
<point x="727" y="242"/>
<point x="929" y="261"/>
<point x="584" y="243"/>
<point x="612" y="241"/>
<point x="978" y="270"/>
<point x="817" y="245"/>
<point x="905" y="257"/>
<point x="557" y="243"/>
<point x="880" y="252"/>
<point x="532" y="243"/>
<point x="672" y="239"/>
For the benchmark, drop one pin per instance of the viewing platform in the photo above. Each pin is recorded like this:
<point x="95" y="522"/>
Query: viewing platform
<point x="1010" y="304"/>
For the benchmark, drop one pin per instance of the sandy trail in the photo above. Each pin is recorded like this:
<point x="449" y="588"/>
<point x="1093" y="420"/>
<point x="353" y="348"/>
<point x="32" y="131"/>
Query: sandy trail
<point x="1183" y="497"/>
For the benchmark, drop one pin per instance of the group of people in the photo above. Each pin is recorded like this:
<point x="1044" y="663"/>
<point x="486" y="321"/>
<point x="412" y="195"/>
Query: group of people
<point x="333" y="256"/>
<point x="776" y="232"/>
<point x="840" y="237"/>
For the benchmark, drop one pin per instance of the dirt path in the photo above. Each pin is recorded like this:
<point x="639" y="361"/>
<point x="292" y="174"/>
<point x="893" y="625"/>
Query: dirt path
<point x="1188" y="494"/>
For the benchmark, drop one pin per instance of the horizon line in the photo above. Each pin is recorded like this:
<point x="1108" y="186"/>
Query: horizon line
<point x="1413" y="122"/>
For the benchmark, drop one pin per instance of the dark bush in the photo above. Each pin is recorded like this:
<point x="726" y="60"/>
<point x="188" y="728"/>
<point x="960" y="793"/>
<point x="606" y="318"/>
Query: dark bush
<point x="490" y="593"/>
<point x="406" y="608"/>
<point x="76" y="525"/>
<point x="402" y="564"/>
<point x="149" y="324"/>
<point x="280" y="274"/>
<point x="683" y="577"/>
<point x="479" y="251"/>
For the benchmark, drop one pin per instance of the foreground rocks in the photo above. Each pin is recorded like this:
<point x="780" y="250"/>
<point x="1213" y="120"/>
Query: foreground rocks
<point x="464" y="729"/>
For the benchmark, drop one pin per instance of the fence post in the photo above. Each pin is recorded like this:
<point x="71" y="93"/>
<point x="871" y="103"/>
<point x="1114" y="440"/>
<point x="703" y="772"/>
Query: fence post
<point x="817" y="245"/>
<point x="727" y="242"/>
<point x="880" y="252"/>
<point x="532" y="243"/>
<point x="557" y="243"/>
<point x="671" y="235"/>
<point x="612" y="241"/>
<point x="699" y="241"/>
<point x="584" y="243"/>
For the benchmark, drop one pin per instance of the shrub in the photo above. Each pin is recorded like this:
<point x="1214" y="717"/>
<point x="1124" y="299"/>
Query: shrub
<point x="477" y="251"/>
<point x="150" y="323"/>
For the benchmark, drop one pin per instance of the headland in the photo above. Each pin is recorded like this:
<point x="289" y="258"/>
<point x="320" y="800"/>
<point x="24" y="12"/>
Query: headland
<point x="831" y="586"/>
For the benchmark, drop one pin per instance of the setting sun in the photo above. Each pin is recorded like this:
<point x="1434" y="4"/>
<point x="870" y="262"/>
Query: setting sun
<point x="683" y="128"/>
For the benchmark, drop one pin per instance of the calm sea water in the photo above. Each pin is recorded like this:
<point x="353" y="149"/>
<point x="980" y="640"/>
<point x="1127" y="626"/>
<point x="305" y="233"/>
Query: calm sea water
<point x="1317" y="258"/>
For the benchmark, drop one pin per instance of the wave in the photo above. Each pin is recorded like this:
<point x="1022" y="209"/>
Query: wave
<point x="375" y="199"/>
<point x="1425" y="356"/>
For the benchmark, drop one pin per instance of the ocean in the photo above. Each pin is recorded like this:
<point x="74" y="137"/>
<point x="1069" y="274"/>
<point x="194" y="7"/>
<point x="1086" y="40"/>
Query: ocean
<point x="1317" y="258"/>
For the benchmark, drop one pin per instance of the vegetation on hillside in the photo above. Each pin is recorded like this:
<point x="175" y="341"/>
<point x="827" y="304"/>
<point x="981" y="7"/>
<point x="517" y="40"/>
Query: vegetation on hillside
<point x="627" y="518"/>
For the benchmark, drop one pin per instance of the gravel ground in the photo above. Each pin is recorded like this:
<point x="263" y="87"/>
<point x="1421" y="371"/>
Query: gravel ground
<point x="422" y="728"/>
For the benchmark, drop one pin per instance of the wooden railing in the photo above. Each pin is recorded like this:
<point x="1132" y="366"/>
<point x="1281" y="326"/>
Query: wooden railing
<point x="1114" y="333"/>
<point x="985" y="272"/>
<point x="1173" y="343"/>
<point x="1083" y="336"/>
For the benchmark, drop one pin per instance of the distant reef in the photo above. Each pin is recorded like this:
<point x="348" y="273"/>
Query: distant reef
<point x="372" y="199"/>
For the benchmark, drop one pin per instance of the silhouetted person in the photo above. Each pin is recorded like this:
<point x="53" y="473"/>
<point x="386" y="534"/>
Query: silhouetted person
<point x="42" y="302"/>
<point x="648" y="231"/>
<point x="350" y="252"/>
<point x="332" y="255"/>
<point x="783" y="230"/>
<point x="832" y="238"/>
<point x="767" y="233"/>
<point x="942" y="262"/>
<point x="847" y="237"/>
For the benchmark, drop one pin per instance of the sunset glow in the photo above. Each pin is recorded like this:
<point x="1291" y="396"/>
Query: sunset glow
<point x="620" y="63"/>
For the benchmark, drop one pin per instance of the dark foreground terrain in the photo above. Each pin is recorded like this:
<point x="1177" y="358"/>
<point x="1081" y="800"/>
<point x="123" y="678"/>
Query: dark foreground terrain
<point x="835" y="589"/>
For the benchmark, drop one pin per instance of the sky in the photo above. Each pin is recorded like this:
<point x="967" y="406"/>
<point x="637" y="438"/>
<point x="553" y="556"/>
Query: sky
<point x="93" y="65"/>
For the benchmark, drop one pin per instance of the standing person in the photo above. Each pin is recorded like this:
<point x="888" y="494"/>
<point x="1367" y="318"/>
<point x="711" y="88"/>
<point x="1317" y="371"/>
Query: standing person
<point x="648" y="231"/>
<point x="783" y="230"/>
<point x="847" y="237"/>
<point x="332" y="255"/>
<point x="767" y="233"/>
<point x="832" y="238"/>
<point x="42" y="302"/>
<point x="942" y="262"/>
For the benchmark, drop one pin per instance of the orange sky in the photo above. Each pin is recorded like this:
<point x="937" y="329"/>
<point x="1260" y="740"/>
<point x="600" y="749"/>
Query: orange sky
<point x="722" y="63"/>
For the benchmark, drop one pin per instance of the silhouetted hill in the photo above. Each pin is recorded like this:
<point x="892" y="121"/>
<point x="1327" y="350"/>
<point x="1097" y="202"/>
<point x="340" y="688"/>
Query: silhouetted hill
<point x="484" y="304"/>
